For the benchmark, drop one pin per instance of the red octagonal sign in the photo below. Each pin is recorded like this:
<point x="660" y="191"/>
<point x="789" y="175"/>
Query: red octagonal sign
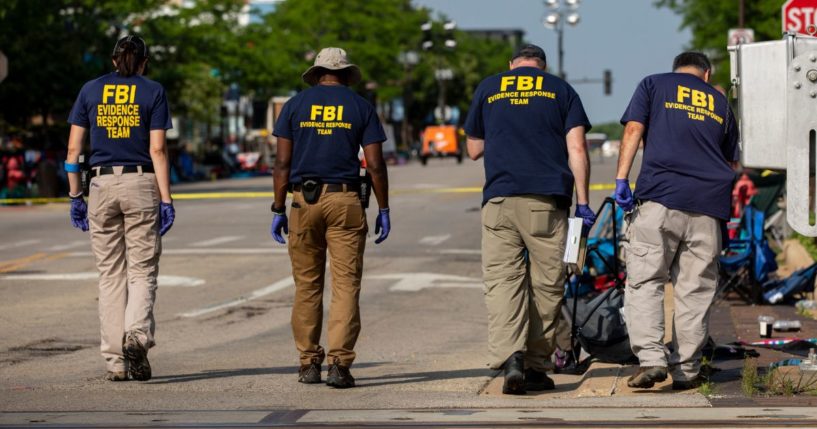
<point x="800" y="16"/>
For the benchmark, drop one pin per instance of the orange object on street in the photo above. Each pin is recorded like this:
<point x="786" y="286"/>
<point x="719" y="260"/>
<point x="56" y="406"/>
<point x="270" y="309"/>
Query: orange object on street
<point x="440" y="141"/>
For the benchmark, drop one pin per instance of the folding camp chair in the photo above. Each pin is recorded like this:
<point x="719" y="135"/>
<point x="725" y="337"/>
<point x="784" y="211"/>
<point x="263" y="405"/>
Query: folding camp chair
<point x="746" y="263"/>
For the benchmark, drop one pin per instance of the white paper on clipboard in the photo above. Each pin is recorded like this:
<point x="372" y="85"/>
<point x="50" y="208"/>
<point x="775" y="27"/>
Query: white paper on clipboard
<point x="576" y="245"/>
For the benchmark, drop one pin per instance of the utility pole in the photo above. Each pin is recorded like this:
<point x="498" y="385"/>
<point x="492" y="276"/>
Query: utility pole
<point x="441" y="74"/>
<point x="561" y="13"/>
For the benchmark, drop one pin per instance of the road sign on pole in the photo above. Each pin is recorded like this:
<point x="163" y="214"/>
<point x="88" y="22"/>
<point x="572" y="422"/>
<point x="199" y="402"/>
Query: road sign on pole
<point x="800" y="16"/>
<point x="4" y="66"/>
<point x="740" y="36"/>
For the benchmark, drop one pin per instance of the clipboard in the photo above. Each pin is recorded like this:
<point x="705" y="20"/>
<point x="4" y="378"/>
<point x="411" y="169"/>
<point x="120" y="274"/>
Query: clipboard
<point x="576" y="245"/>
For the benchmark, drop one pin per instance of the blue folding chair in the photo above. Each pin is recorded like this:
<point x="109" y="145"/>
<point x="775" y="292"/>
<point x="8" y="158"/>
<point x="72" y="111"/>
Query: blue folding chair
<point x="746" y="263"/>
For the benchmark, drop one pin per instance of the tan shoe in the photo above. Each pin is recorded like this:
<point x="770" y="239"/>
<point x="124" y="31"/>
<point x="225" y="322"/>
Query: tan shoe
<point x="116" y="376"/>
<point x="647" y="376"/>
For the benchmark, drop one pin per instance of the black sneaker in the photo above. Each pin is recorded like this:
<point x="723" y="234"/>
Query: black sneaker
<point x="692" y="383"/>
<point x="310" y="373"/>
<point x="514" y="375"/>
<point x="137" y="356"/>
<point x="116" y="376"/>
<point x="537" y="380"/>
<point x="647" y="376"/>
<point x="339" y="377"/>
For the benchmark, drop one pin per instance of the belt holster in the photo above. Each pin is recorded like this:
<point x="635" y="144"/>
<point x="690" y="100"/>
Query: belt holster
<point x="84" y="175"/>
<point x="311" y="189"/>
<point x="365" y="191"/>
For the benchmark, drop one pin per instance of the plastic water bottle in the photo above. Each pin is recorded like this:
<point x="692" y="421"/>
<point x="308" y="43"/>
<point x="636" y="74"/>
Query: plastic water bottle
<point x="787" y="325"/>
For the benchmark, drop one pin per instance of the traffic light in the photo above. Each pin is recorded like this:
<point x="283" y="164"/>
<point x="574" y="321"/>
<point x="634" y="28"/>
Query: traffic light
<point x="608" y="82"/>
<point x="428" y="38"/>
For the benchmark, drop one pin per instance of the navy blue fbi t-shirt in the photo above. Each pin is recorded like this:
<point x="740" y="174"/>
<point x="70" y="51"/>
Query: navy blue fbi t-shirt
<point x="121" y="112"/>
<point x="524" y="115"/>
<point x="327" y="125"/>
<point x="690" y="138"/>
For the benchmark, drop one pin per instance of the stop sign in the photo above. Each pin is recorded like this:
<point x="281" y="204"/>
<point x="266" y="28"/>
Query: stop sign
<point x="800" y="16"/>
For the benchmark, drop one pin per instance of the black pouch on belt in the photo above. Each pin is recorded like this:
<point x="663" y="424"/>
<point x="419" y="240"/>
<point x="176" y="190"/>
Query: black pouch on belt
<point x="311" y="189"/>
<point x="85" y="175"/>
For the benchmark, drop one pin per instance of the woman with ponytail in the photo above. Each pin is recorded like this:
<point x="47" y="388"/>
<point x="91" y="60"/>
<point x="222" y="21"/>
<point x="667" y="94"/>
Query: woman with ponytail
<point x="129" y="205"/>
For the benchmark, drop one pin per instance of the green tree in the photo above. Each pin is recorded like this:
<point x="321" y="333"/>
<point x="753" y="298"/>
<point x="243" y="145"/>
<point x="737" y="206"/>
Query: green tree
<point x="53" y="47"/>
<point x="711" y="20"/>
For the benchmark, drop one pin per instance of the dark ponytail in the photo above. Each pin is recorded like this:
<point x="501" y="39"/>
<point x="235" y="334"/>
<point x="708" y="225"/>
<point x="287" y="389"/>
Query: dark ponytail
<point x="129" y="54"/>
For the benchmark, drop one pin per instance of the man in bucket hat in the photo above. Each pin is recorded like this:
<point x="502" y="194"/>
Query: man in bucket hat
<point x="320" y="132"/>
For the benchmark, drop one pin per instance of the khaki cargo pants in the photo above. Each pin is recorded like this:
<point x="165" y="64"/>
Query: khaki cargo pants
<point x="681" y="247"/>
<point x="523" y="297"/>
<point x="336" y="223"/>
<point x="123" y="212"/>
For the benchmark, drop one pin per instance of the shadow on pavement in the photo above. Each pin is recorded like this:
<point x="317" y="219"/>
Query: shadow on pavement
<point x="243" y="372"/>
<point x="419" y="377"/>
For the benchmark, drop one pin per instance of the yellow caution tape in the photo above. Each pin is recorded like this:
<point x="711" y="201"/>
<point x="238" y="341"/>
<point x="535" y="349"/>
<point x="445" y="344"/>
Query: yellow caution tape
<point x="249" y="195"/>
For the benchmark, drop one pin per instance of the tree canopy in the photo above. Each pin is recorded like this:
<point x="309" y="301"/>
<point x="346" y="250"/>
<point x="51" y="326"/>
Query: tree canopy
<point x="710" y="22"/>
<point x="198" y="49"/>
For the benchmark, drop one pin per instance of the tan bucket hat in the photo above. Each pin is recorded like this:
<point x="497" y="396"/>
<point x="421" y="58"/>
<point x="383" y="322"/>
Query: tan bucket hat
<point x="331" y="59"/>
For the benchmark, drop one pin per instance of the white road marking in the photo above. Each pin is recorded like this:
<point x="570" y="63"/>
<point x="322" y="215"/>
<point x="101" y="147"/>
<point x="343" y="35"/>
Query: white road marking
<point x="434" y="240"/>
<point x="164" y="281"/>
<point x="186" y="252"/>
<point x="71" y="245"/>
<point x="459" y="251"/>
<point x="19" y="244"/>
<point x="413" y="282"/>
<point x="275" y="287"/>
<point x="218" y="240"/>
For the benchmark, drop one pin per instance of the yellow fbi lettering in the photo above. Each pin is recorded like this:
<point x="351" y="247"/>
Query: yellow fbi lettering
<point x="329" y="113"/>
<point x="118" y="113"/>
<point x="521" y="83"/>
<point x="520" y="89"/>
<point x="121" y="93"/>
<point x="325" y="118"/>
<point x="698" y="98"/>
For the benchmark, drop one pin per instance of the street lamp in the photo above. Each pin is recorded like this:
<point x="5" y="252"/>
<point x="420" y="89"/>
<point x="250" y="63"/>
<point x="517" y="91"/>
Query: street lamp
<point x="561" y="12"/>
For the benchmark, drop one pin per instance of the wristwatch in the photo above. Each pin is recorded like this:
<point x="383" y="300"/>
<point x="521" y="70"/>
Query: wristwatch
<point x="279" y="210"/>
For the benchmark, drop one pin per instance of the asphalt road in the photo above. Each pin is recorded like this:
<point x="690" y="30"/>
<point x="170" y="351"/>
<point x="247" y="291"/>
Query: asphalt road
<point x="224" y="347"/>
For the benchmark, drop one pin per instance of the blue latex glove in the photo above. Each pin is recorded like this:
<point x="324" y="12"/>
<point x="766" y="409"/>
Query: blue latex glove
<point x="79" y="214"/>
<point x="167" y="214"/>
<point x="624" y="196"/>
<point x="588" y="217"/>
<point x="382" y="226"/>
<point x="279" y="223"/>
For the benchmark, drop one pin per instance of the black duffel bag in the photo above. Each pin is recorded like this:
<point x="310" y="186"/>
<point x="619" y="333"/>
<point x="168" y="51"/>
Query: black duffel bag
<point x="600" y="328"/>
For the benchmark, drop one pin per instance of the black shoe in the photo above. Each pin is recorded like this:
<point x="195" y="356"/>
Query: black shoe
<point x="310" y="373"/>
<point x="647" y="376"/>
<point x="537" y="380"/>
<point x="692" y="383"/>
<point x="339" y="377"/>
<point x="514" y="375"/>
<point x="137" y="356"/>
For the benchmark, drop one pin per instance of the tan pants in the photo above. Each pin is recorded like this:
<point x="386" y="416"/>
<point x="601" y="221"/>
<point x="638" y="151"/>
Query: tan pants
<point x="681" y="247"/>
<point x="523" y="297"/>
<point x="336" y="223"/>
<point x="123" y="211"/>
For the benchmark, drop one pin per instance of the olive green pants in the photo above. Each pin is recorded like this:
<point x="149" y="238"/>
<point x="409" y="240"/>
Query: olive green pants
<point x="681" y="247"/>
<point x="523" y="295"/>
<point x="123" y="213"/>
<point x="336" y="223"/>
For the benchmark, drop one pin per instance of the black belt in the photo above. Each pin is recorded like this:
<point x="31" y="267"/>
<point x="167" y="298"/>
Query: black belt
<point x="101" y="171"/>
<point x="330" y="187"/>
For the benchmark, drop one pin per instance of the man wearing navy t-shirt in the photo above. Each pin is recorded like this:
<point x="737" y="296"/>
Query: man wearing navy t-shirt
<point x="682" y="196"/>
<point x="320" y="132"/>
<point x="530" y="126"/>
